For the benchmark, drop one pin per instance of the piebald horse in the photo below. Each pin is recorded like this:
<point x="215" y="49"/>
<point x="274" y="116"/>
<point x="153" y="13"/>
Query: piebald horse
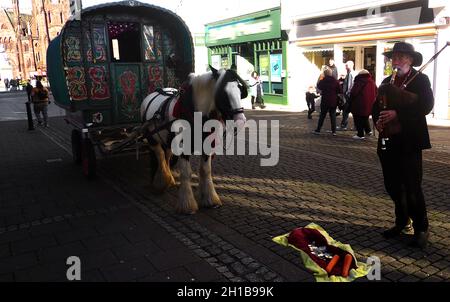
<point x="217" y="95"/>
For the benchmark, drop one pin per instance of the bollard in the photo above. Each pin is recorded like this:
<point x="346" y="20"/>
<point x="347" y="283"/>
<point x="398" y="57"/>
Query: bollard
<point x="29" y="116"/>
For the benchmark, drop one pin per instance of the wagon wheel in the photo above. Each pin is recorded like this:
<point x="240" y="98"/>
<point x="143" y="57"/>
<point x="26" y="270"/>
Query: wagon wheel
<point x="76" y="146"/>
<point x="88" y="158"/>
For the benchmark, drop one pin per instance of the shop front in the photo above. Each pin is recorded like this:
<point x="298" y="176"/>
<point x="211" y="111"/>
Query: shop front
<point x="252" y="42"/>
<point x="363" y="35"/>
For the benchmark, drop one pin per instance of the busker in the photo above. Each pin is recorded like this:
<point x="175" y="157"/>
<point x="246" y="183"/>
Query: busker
<point x="400" y="118"/>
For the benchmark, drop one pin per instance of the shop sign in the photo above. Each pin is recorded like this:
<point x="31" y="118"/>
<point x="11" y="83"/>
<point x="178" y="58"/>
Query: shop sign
<point x="275" y="67"/>
<point x="371" y="19"/>
<point x="261" y="26"/>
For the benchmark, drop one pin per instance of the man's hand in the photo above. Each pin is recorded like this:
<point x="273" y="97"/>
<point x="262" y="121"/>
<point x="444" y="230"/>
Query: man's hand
<point x="387" y="116"/>
<point x="379" y="125"/>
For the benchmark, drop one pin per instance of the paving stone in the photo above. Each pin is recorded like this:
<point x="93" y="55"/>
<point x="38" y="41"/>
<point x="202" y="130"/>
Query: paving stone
<point x="166" y="260"/>
<point x="202" y="271"/>
<point x="128" y="271"/>
<point x="353" y="209"/>
<point x="33" y="244"/>
<point x="11" y="264"/>
<point x="104" y="242"/>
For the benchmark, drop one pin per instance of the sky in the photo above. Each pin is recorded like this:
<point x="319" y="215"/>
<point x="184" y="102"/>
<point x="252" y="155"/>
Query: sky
<point x="195" y="13"/>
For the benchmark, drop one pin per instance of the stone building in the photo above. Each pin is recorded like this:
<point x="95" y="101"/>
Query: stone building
<point x="24" y="37"/>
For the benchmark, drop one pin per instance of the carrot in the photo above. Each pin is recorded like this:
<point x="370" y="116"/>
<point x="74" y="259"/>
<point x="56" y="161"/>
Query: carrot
<point x="332" y="263"/>
<point x="347" y="262"/>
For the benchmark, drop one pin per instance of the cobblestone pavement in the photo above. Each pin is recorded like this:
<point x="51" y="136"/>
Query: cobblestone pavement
<point x="335" y="182"/>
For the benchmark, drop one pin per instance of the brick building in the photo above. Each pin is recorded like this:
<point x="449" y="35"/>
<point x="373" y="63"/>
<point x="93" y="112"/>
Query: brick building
<point x="24" y="40"/>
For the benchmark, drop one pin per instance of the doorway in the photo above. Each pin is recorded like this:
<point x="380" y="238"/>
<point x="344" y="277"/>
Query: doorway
<point x="370" y="60"/>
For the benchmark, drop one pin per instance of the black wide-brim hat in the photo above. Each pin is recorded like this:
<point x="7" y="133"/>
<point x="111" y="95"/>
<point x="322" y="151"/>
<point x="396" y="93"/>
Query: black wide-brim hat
<point x="406" y="48"/>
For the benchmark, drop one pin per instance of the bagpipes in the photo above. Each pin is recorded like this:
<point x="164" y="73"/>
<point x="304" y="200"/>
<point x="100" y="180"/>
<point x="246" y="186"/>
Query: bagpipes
<point x="392" y="97"/>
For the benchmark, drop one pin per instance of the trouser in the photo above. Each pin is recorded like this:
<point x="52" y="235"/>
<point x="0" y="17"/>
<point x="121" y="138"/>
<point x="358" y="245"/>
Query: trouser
<point x="311" y="107"/>
<point x="259" y="98"/>
<point x="362" y="125"/>
<point x="41" y="108"/>
<point x="345" y="113"/>
<point x="323" y="113"/>
<point x="403" y="181"/>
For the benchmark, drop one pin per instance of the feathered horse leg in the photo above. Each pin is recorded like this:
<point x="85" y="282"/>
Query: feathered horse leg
<point x="208" y="194"/>
<point x="187" y="203"/>
<point x="163" y="178"/>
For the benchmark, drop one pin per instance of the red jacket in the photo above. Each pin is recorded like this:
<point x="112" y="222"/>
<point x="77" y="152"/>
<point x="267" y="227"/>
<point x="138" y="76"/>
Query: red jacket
<point x="363" y="95"/>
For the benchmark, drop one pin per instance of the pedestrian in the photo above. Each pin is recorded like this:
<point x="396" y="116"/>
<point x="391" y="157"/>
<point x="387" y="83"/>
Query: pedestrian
<point x="403" y="122"/>
<point x="29" y="89"/>
<point x="346" y="89"/>
<point x="40" y="99"/>
<point x="310" y="101"/>
<point x="334" y="70"/>
<point x="6" y="81"/>
<point x="330" y="89"/>
<point x="12" y="83"/>
<point x="256" y="91"/>
<point x="361" y="99"/>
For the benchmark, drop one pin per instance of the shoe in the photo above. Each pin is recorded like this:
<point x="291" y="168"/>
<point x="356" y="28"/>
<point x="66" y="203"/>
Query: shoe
<point x="392" y="232"/>
<point x="420" y="240"/>
<point x="253" y="107"/>
<point x="262" y="106"/>
<point x="408" y="227"/>
<point x="334" y="133"/>
<point x="317" y="132"/>
<point x="370" y="133"/>
<point x="341" y="128"/>
<point x="358" y="137"/>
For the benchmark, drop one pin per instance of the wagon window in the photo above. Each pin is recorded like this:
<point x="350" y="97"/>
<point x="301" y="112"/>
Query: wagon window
<point x="124" y="42"/>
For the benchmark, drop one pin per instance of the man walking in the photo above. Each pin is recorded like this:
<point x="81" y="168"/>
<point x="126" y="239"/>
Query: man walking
<point x="346" y="89"/>
<point x="402" y="120"/>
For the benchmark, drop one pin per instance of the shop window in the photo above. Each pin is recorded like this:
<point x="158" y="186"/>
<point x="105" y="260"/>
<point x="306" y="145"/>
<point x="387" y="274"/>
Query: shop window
<point x="320" y="58"/>
<point x="349" y="54"/>
<point x="124" y="42"/>
<point x="370" y="60"/>
<point x="270" y="70"/>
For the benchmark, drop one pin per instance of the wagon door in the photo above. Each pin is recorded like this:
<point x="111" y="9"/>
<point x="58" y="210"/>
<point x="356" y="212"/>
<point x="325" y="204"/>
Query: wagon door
<point x="126" y="68"/>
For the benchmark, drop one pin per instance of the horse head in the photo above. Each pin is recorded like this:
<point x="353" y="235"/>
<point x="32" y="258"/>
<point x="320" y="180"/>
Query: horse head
<point x="230" y="88"/>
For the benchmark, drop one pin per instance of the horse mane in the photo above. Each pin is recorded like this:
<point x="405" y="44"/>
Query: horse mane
<point x="230" y="76"/>
<point x="203" y="88"/>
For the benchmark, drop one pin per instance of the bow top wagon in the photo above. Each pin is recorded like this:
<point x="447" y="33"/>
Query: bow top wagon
<point x="102" y="66"/>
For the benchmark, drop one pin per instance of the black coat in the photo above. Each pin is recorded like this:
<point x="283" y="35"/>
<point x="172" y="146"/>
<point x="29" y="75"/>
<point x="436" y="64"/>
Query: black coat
<point x="330" y="89"/>
<point x="414" y="134"/>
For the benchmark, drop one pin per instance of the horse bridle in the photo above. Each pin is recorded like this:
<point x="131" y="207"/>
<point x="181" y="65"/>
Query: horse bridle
<point x="244" y="93"/>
